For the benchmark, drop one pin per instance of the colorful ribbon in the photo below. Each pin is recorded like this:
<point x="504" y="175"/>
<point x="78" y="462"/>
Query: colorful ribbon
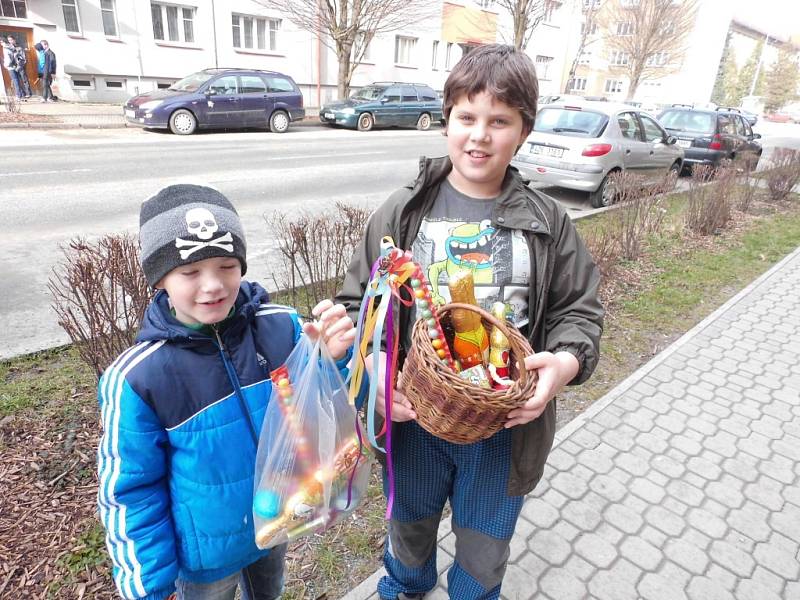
<point x="388" y="277"/>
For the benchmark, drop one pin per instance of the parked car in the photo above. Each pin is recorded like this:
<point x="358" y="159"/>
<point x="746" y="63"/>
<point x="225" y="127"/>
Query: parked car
<point x="752" y="118"/>
<point x="220" y="99"/>
<point x="581" y="147"/>
<point x="385" y="104"/>
<point x="712" y="137"/>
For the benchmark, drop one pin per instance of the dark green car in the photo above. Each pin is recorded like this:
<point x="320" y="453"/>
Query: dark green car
<point x="386" y="104"/>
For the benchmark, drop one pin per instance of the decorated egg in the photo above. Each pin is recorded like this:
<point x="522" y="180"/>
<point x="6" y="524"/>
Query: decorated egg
<point x="267" y="504"/>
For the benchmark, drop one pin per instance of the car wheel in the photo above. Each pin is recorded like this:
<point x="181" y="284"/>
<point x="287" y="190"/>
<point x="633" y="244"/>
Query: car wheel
<point x="365" y="122"/>
<point x="279" y="122"/>
<point x="424" y="122"/>
<point x="672" y="176"/>
<point x="182" y="122"/>
<point x="606" y="194"/>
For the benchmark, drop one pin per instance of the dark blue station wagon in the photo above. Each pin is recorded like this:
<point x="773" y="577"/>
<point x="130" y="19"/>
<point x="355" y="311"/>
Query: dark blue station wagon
<point x="220" y="99"/>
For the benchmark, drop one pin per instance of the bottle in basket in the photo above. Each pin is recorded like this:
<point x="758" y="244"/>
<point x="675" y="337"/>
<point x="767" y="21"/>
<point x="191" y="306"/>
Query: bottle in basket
<point x="471" y="342"/>
<point x="499" y="351"/>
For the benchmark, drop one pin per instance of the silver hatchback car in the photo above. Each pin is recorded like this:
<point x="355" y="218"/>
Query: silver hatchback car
<point x="581" y="145"/>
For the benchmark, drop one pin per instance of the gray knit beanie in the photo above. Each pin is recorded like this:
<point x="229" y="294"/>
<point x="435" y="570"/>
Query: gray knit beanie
<point x="187" y="223"/>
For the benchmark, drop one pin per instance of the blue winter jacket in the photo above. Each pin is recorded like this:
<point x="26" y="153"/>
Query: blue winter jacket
<point x="181" y="414"/>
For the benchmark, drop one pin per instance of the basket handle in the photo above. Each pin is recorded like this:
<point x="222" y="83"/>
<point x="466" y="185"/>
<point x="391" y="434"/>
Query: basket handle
<point x="504" y="327"/>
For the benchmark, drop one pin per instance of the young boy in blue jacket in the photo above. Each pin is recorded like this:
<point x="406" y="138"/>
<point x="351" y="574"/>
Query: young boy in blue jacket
<point x="471" y="210"/>
<point x="182" y="409"/>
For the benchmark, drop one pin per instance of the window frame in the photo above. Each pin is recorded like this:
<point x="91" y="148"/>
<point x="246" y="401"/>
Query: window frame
<point x="410" y="50"/>
<point x="435" y="55"/>
<point x="625" y="28"/>
<point x="16" y="15"/>
<point x="74" y="5"/>
<point x="113" y="11"/>
<point x="547" y="61"/>
<point x="578" y="88"/>
<point x="180" y="23"/>
<point x="261" y="30"/>
<point x="616" y="88"/>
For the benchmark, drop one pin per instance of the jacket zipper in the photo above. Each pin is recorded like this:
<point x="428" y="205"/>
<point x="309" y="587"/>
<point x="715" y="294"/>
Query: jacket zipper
<point x="226" y="360"/>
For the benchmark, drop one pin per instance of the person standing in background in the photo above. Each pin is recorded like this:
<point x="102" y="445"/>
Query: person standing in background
<point x="14" y="60"/>
<point x="40" y="65"/>
<point x="48" y="71"/>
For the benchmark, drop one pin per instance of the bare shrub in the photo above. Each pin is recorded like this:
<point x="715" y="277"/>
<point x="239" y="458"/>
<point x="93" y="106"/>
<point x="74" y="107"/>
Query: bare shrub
<point x="745" y="191"/>
<point x="12" y="103"/>
<point x="709" y="207"/>
<point x="603" y="244"/>
<point x="640" y="213"/>
<point x="315" y="251"/>
<point x="783" y="174"/>
<point x="100" y="296"/>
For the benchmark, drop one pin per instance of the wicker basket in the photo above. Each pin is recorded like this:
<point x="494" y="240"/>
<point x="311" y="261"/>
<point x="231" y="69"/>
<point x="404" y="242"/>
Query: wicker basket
<point x="450" y="407"/>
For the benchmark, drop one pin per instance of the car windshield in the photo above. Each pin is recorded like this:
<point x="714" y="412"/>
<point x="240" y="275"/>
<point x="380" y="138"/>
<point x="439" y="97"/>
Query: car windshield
<point x="685" y="120"/>
<point x="570" y="121"/>
<point x="367" y="93"/>
<point x="192" y="82"/>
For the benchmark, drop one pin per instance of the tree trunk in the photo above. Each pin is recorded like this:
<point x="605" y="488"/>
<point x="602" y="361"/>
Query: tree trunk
<point x="345" y="70"/>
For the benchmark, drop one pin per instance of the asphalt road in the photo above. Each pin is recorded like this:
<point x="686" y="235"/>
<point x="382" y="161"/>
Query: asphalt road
<point x="59" y="184"/>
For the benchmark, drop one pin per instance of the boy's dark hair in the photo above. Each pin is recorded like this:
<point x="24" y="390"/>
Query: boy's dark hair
<point x="504" y="71"/>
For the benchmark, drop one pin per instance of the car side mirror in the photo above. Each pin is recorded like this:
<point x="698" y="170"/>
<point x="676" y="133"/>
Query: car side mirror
<point x="384" y="100"/>
<point x="756" y="136"/>
<point x="671" y="139"/>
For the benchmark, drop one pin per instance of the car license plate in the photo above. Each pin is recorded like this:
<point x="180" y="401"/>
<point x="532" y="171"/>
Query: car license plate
<point x="131" y="114"/>
<point x="547" y="151"/>
<point x="330" y="116"/>
<point x="684" y="143"/>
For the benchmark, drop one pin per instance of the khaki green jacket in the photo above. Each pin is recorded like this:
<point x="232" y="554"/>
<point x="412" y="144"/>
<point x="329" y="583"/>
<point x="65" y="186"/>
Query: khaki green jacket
<point x="564" y="310"/>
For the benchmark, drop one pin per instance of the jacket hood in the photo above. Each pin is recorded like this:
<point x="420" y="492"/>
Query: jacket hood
<point x="159" y="323"/>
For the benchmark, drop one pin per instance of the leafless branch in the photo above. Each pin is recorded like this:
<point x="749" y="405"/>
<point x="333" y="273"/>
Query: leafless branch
<point x="348" y="26"/>
<point x="650" y="34"/>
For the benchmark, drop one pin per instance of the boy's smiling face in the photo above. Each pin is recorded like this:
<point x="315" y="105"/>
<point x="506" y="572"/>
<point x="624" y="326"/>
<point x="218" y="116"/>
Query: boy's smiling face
<point x="203" y="292"/>
<point x="483" y="135"/>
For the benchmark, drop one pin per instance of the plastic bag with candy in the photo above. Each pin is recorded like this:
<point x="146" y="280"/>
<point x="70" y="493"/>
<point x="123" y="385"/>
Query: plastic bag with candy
<point x="312" y="469"/>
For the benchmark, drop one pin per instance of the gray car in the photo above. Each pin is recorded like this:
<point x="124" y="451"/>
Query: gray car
<point x="580" y="146"/>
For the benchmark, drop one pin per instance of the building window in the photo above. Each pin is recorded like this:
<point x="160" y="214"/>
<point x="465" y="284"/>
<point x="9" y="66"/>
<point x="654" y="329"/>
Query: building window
<point x="486" y="3"/>
<point x="435" y="54"/>
<point x="448" y="55"/>
<point x="619" y="58"/>
<point x="629" y="3"/>
<point x="404" y="50"/>
<point x="179" y="22"/>
<point x="72" y="21"/>
<point x="14" y="9"/>
<point x="162" y="85"/>
<point x="585" y="58"/>
<point x="255" y="33"/>
<point x="587" y="4"/>
<point x="109" y="17"/>
<point x="578" y="84"/>
<point x="83" y="84"/>
<point x="114" y="83"/>
<point x="550" y="8"/>
<point x="363" y="44"/>
<point x="543" y="66"/>
<point x="625" y="28"/>
<point x="659" y="59"/>
<point x="592" y="29"/>
<point x="613" y="86"/>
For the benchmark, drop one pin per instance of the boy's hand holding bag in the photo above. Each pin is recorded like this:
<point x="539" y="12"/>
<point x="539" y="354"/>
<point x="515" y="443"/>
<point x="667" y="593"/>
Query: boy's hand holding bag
<point x="312" y="469"/>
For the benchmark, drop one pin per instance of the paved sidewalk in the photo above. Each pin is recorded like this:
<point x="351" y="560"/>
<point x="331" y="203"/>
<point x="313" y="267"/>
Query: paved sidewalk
<point x="684" y="481"/>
